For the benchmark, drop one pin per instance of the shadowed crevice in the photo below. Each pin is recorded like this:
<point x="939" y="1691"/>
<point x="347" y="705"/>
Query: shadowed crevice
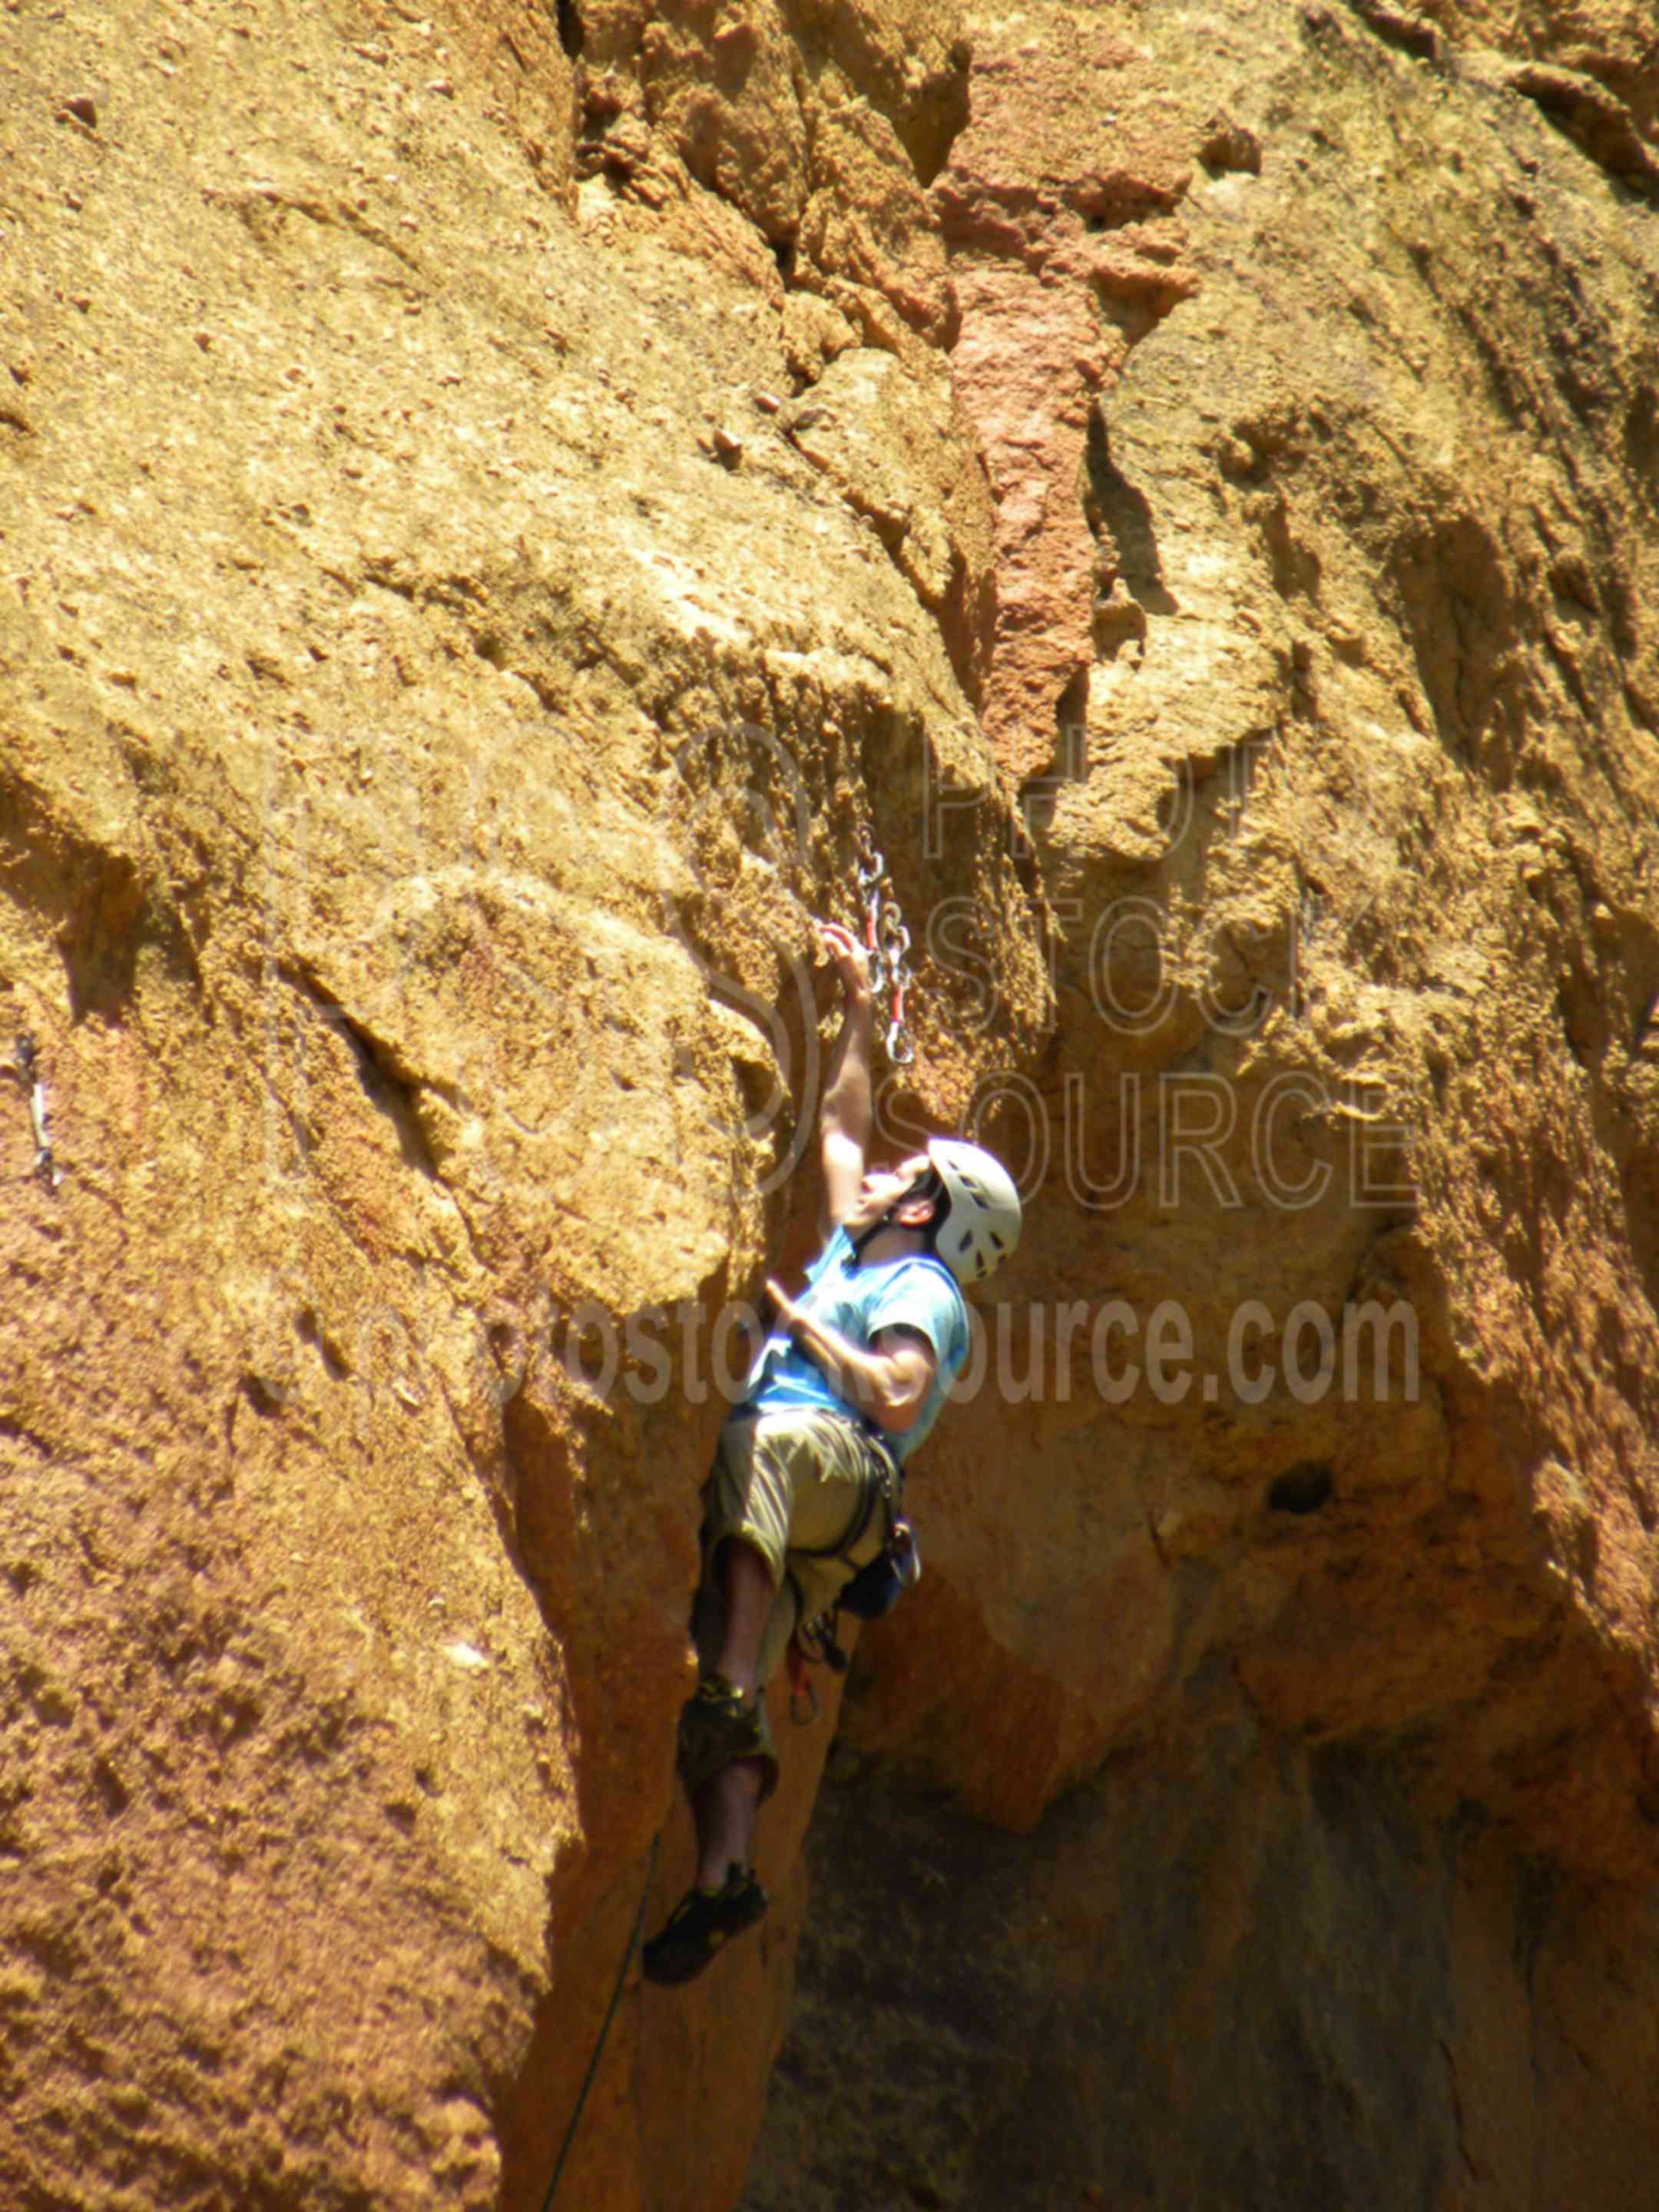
<point x="1596" y="121"/>
<point x="1122" y="514"/>
<point x="385" y="1084"/>
<point x="1400" y="27"/>
<point x="1302" y="1489"/>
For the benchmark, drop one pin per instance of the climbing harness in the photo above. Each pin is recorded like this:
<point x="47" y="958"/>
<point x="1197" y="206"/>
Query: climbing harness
<point x="870" y="1595"/>
<point x="872" y="1592"/>
<point x="887" y="941"/>
<point x="616" y="1999"/>
<point x="29" y="1069"/>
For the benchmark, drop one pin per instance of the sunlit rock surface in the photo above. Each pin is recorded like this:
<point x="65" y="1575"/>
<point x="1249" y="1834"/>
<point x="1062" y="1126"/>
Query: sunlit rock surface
<point x="495" y="509"/>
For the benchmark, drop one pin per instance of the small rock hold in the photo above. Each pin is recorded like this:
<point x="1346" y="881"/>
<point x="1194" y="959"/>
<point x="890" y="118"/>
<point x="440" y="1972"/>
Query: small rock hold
<point x="728" y="448"/>
<point x="796" y="420"/>
<point x="735" y="37"/>
<point x="82" y="107"/>
<point x="609" y="96"/>
<point x="1401" y="27"/>
<point x="442" y="86"/>
<point x="626" y="146"/>
<point x="768" y="402"/>
<point x="1229" y="144"/>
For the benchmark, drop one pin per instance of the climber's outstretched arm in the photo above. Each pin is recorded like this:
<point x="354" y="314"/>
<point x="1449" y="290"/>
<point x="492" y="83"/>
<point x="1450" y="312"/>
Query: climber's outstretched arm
<point x="846" y="1115"/>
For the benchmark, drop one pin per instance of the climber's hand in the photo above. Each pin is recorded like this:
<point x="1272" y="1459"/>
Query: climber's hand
<point x="851" y="960"/>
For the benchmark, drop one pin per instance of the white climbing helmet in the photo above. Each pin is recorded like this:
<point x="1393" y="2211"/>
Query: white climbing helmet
<point x="982" y="1226"/>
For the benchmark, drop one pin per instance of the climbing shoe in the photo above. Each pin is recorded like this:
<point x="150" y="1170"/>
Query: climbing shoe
<point x="718" y="1724"/>
<point x="702" y="1921"/>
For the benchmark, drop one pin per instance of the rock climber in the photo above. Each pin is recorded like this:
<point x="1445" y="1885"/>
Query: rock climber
<point x="841" y="1393"/>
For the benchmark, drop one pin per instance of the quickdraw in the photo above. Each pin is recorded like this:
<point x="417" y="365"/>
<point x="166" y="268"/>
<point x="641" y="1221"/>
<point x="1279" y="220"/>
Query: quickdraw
<point x="887" y="941"/>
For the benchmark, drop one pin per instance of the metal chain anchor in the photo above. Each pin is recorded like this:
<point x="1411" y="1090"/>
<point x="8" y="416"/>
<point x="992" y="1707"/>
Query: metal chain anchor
<point x="887" y="941"/>
<point x="29" y="1069"/>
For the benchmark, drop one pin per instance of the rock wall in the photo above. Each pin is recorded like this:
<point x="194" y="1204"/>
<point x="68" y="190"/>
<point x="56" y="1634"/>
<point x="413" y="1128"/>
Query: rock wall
<point x="498" y="507"/>
<point x="1238" y="1975"/>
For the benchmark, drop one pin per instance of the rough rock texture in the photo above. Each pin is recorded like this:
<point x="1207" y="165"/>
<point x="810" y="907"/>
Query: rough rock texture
<point x="1063" y="255"/>
<point x="493" y="505"/>
<point x="1610" y="41"/>
<point x="388" y="668"/>
<point x="1359" y="815"/>
<point x="1233" y="1977"/>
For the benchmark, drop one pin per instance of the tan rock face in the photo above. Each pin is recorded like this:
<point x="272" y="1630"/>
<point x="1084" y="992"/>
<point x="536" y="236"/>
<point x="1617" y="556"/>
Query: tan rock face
<point x="1610" y="41"/>
<point x="495" y="507"/>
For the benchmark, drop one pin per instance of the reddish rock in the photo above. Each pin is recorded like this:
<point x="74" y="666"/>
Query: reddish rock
<point x="1056" y="274"/>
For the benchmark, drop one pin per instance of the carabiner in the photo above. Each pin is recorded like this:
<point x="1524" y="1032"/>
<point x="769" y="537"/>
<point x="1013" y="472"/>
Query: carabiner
<point x="869" y="863"/>
<point x="896" y="938"/>
<point x="875" y="951"/>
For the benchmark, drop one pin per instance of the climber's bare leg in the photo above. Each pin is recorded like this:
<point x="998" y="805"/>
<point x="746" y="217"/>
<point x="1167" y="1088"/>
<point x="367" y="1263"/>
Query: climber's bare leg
<point x="724" y="1810"/>
<point x="746" y="1584"/>
<point x="724" y="1806"/>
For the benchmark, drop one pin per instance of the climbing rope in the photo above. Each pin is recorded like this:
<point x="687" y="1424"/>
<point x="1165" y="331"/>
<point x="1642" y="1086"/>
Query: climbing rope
<point x="887" y="941"/>
<point x="611" y="2014"/>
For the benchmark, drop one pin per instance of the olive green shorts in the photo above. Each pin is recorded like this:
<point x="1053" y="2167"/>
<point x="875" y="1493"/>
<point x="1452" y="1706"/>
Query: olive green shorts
<point x="795" y="1486"/>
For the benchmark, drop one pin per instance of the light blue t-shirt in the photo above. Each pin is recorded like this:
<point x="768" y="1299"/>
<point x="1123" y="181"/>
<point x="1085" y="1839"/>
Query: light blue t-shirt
<point x="917" y="1291"/>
